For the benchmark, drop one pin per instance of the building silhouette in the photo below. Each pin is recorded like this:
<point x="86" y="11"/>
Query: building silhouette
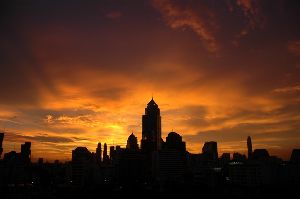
<point x="112" y="153"/>
<point x="105" y="155"/>
<point x="1" y="141"/>
<point x="260" y="154"/>
<point x="210" y="150"/>
<point x="238" y="157"/>
<point x="295" y="156"/>
<point x="174" y="141"/>
<point x="132" y="143"/>
<point x="157" y="167"/>
<point x="81" y="158"/>
<point x="169" y="163"/>
<point x="225" y="158"/>
<point x="129" y="165"/>
<point x="99" y="153"/>
<point x="41" y="161"/>
<point x="26" y="152"/>
<point x="249" y="147"/>
<point x="151" y="128"/>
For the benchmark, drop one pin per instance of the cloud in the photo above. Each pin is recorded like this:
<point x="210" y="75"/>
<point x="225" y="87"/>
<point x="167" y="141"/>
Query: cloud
<point x="46" y="138"/>
<point x="81" y="120"/>
<point x="252" y="11"/>
<point x="252" y="18"/>
<point x="18" y="137"/>
<point x="268" y="127"/>
<point x="288" y="89"/>
<point x="179" y="17"/>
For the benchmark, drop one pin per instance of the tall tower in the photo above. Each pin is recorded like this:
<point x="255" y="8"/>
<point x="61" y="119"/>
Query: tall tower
<point x="112" y="153"/>
<point x="98" y="153"/>
<point x="249" y="145"/>
<point x="26" y="152"/>
<point x="151" y="128"/>
<point x="105" y="156"/>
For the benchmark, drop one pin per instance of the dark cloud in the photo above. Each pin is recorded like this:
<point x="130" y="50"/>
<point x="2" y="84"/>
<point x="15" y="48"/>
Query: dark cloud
<point x="49" y="139"/>
<point x="79" y="139"/>
<point x="18" y="137"/>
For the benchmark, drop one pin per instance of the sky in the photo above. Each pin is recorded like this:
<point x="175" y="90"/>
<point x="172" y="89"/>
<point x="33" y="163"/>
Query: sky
<point x="75" y="73"/>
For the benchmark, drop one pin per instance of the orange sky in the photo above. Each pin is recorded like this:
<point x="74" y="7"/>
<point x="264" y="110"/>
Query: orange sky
<point x="74" y="75"/>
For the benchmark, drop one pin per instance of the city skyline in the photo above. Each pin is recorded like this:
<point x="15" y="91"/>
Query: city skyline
<point x="81" y="73"/>
<point x="150" y="141"/>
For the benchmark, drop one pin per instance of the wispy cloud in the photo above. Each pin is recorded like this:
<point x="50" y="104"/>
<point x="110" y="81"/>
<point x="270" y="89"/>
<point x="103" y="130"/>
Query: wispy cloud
<point x="288" y="89"/>
<point x="80" y="120"/>
<point x="179" y="17"/>
<point x="252" y="12"/>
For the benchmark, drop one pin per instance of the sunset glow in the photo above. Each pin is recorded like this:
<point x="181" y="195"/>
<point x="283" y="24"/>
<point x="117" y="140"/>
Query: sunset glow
<point x="218" y="70"/>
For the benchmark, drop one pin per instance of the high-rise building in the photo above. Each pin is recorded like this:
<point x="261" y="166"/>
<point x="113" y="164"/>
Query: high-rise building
<point x="105" y="156"/>
<point x="112" y="153"/>
<point x="132" y="143"/>
<point x="99" y="153"/>
<point x="151" y="128"/>
<point x="1" y="141"/>
<point x="249" y="146"/>
<point x="26" y="152"/>
<point x="210" y="150"/>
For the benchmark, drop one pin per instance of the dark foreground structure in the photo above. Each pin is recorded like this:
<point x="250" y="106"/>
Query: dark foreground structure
<point x="157" y="168"/>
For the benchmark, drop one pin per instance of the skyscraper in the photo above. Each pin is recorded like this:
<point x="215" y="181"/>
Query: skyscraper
<point x="105" y="156"/>
<point x="151" y="128"/>
<point x="249" y="146"/>
<point x="26" y="152"/>
<point x="1" y="140"/>
<point x="98" y="153"/>
<point x="112" y="153"/>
